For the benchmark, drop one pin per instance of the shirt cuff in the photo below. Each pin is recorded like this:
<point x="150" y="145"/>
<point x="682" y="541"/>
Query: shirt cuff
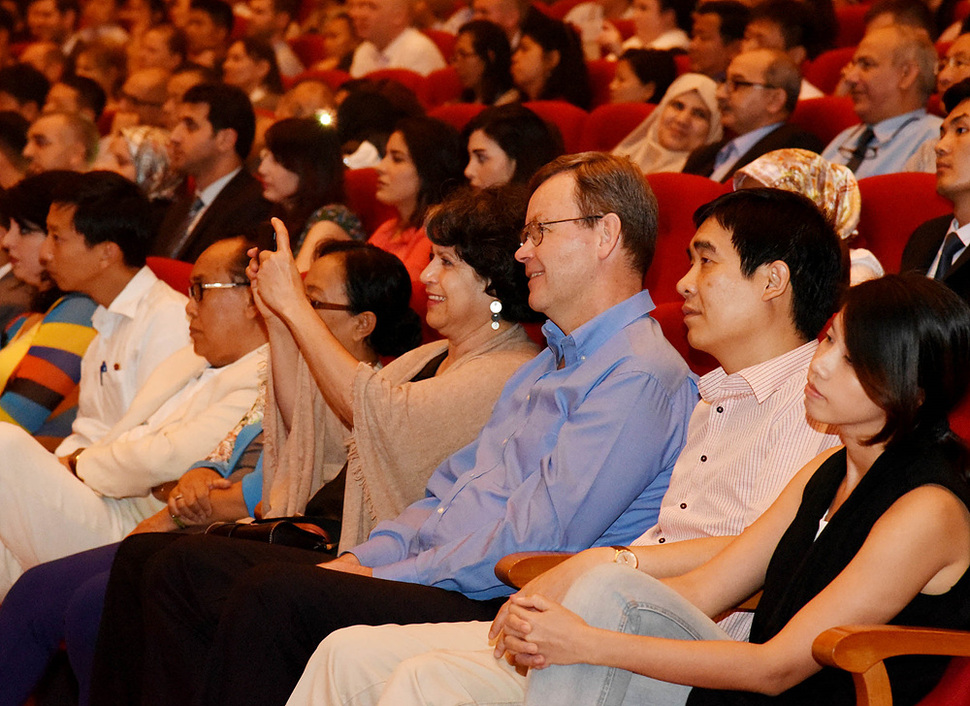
<point x="379" y="551"/>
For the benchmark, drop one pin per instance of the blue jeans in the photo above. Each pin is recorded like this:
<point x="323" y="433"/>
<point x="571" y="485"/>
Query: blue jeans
<point x="56" y="602"/>
<point x="625" y="600"/>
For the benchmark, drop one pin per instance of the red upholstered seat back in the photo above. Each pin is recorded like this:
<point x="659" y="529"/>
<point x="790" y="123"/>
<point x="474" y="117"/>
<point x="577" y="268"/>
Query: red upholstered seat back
<point x="360" y="186"/>
<point x="607" y="125"/>
<point x="174" y="273"/>
<point x="567" y="117"/>
<point x="824" y="117"/>
<point x="826" y="70"/>
<point x="671" y="320"/>
<point x="457" y="114"/>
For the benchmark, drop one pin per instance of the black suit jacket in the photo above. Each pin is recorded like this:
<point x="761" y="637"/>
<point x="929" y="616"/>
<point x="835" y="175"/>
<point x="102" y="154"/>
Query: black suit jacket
<point x="922" y="247"/>
<point x="701" y="160"/>
<point x="239" y="209"/>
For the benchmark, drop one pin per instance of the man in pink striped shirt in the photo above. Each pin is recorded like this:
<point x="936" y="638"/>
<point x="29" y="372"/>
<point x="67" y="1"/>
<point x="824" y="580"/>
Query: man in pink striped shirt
<point x="756" y="297"/>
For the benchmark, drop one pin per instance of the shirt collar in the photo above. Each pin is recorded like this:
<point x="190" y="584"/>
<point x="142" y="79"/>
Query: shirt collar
<point x="574" y="347"/>
<point x="742" y="143"/>
<point x="886" y="129"/>
<point x="126" y="303"/>
<point x="963" y="232"/>
<point x="209" y="193"/>
<point x="762" y="379"/>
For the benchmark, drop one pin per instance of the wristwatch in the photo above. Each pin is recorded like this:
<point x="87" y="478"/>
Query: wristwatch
<point x="624" y="556"/>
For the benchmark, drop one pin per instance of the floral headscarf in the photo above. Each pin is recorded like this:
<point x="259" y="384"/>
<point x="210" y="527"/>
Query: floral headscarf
<point x="832" y="187"/>
<point x="148" y="147"/>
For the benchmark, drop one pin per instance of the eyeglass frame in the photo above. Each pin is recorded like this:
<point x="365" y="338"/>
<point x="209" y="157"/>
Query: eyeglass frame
<point x="328" y="306"/>
<point x="733" y="84"/>
<point x="533" y="231"/>
<point x="197" y="289"/>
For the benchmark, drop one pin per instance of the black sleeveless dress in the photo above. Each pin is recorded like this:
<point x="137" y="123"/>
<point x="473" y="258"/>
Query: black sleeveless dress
<point x="802" y="566"/>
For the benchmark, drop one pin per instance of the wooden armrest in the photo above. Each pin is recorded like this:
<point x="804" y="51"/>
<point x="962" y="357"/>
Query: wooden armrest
<point x="516" y="570"/>
<point x="861" y="649"/>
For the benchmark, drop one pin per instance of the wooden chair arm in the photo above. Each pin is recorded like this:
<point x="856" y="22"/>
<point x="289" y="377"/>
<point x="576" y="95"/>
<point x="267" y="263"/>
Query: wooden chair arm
<point x="516" y="570"/>
<point x="861" y="649"/>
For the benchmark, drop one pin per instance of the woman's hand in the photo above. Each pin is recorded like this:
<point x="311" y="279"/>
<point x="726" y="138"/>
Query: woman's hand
<point x="161" y="521"/>
<point x="539" y="632"/>
<point x="276" y="282"/>
<point x="189" y="500"/>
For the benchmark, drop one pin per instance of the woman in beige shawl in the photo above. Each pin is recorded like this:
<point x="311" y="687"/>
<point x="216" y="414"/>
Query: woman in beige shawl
<point x="686" y="118"/>
<point x="401" y="430"/>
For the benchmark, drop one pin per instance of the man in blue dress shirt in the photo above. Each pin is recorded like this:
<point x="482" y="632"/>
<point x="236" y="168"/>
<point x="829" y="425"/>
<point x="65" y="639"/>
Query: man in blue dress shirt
<point x="578" y="452"/>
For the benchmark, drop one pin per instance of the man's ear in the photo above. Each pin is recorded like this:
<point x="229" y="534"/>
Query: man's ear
<point x="610" y="228"/>
<point x="110" y="253"/>
<point x="908" y="76"/>
<point x="226" y="140"/>
<point x="778" y="280"/>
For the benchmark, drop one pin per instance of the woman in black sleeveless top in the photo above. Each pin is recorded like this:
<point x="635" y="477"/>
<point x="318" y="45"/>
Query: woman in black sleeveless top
<point x="875" y="531"/>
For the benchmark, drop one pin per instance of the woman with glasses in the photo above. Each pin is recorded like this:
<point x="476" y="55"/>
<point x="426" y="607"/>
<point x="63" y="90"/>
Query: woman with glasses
<point x="303" y="175"/>
<point x="482" y="61"/>
<point x="40" y="362"/>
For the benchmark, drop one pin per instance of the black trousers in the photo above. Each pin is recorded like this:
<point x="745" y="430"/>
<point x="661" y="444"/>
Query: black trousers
<point x="213" y="620"/>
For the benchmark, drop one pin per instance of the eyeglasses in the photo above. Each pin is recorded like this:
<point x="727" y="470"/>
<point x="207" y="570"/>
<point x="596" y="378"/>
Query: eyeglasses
<point x="197" y="289"/>
<point x="959" y="61"/>
<point x="328" y="306"/>
<point x="733" y="84"/>
<point x="536" y="230"/>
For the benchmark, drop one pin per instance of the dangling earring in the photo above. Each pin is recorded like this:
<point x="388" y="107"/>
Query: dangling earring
<point x="496" y="309"/>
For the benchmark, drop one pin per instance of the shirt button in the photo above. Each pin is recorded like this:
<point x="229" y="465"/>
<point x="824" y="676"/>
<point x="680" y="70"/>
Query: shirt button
<point x="720" y="409"/>
<point x="661" y="540"/>
<point x="440" y="510"/>
<point x="703" y="459"/>
<point x="683" y="506"/>
<point x="528" y="397"/>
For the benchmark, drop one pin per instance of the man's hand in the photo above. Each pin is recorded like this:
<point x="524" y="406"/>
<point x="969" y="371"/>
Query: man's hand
<point x="349" y="564"/>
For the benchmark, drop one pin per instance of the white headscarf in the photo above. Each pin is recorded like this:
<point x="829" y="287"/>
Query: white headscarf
<point x="642" y="145"/>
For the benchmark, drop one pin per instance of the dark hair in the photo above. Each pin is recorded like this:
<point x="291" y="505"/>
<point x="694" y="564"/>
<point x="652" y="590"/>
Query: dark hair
<point x="175" y="38"/>
<point x="312" y="152"/>
<point x="569" y="80"/>
<point x="109" y="208"/>
<point x="652" y="66"/>
<point x="796" y="22"/>
<point x="436" y="151"/>
<point x="220" y="12"/>
<point x="13" y="137"/>
<point x="236" y="267"/>
<point x="909" y="340"/>
<point x="771" y="224"/>
<point x="107" y="56"/>
<point x="377" y="281"/>
<point x="491" y="44"/>
<point x="229" y="109"/>
<point x="7" y="20"/>
<point x="25" y="83"/>
<point x="682" y="10"/>
<point x="372" y="109"/>
<point x="483" y="227"/>
<point x="287" y="7"/>
<point x="261" y="50"/>
<point x="956" y="94"/>
<point x="206" y="74"/>
<point x="605" y="183"/>
<point x="911" y="13"/>
<point x="522" y="135"/>
<point x="90" y="95"/>
<point x="733" y="15"/>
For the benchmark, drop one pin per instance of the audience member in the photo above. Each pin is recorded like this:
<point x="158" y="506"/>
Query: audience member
<point x="890" y="77"/>
<point x="207" y="31"/>
<point x="76" y="94"/>
<point x="251" y="66"/>
<point x="901" y="13"/>
<point x="51" y="20"/>
<point x="788" y="26"/>
<point x="750" y="426"/>
<point x="366" y="117"/>
<point x="40" y="363"/>
<point x="510" y="15"/>
<point x="389" y="41"/>
<point x="141" y="99"/>
<point x="268" y="21"/>
<point x="341" y="41"/>
<point x="508" y="143"/>
<point x="832" y="187"/>
<point x="210" y="142"/>
<point x="13" y="139"/>
<point x="8" y="26"/>
<point x="716" y="36"/>
<point x="47" y="58"/>
<point x="642" y="76"/>
<point x="483" y="63"/>
<point x="162" y="46"/>
<point x="98" y="21"/>
<point x="658" y="24"/>
<point x="686" y="119"/>
<point x="938" y="248"/>
<point x="955" y="66"/>
<point x="139" y="17"/>
<point x="61" y="140"/>
<point x="23" y="89"/>
<point x="181" y="80"/>
<point x="303" y="176"/>
<point x="422" y="165"/>
<point x="103" y="62"/>
<point x="306" y="99"/>
<point x="589" y="19"/>
<point x="521" y="483"/>
<point x="755" y="101"/>
<point x="548" y="63"/>
<point x="192" y="400"/>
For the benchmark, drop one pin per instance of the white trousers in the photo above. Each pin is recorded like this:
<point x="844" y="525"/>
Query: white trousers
<point x="47" y="513"/>
<point x="445" y="664"/>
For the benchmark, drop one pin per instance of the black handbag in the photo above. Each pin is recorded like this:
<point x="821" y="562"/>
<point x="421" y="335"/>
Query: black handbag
<point x="298" y="532"/>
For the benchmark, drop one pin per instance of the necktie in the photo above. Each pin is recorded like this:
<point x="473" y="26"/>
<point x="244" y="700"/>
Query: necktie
<point x="183" y="238"/>
<point x="859" y="153"/>
<point x="951" y="245"/>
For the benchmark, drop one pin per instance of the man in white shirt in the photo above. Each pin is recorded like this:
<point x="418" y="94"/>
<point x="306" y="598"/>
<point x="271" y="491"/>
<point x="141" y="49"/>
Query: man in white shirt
<point x="390" y="42"/>
<point x="269" y="20"/>
<point x="756" y="296"/>
<point x="51" y="507"/>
